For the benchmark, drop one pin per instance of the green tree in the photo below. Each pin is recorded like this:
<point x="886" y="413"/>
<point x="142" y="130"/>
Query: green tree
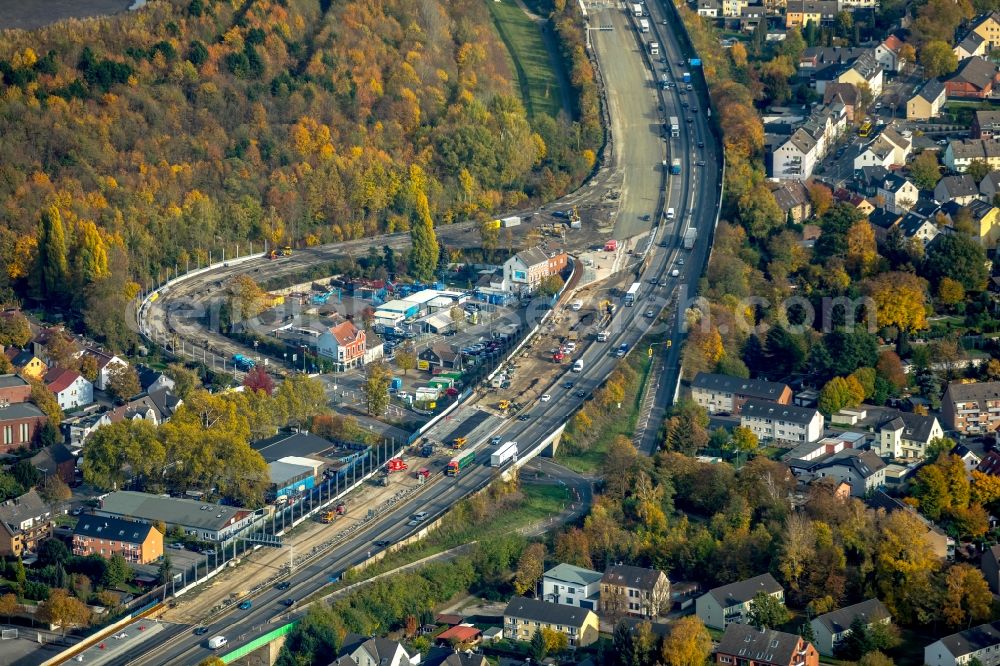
<point x="857" y="641"/>
<point x="163" y="571"/>
<point x="925" y="170"/>
<point x="424" y="249"/>
<point x="743" y="441"/>
<point x="46" y="401"/>
<point x="537" y="648"/>
<point x="406" y="357"/>
<point x="52" y="253"/>
<point x="549" y="286"/>
<point x="767" y="611"/>
<point x="120" y="450"/>
<point x="958" y="257"/>
<point x="118" y="572"/>
<point x="376" y="388"/>
<point x="837" y="394"/>
<point x="938" y="59"/>
<point x="26" y="474"/>
<point x="875" y="658"/>
<point x="555" y="641"/>
<point x="185" y="379"/>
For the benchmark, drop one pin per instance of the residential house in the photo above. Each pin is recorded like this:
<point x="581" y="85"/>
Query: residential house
<point x="796" y="157"/>
<point x="58" y="461"/>
<point x="961" y="189"/>
<point x="960" y="153"/>
<point x="105" y="364"/>
<point x="985" y="124"/>
<point x="990" y="566"/>
<point x="376" y="651"/>
<point x="70" y="388"/>
<point x="971" y="408"/>
<point x="830" y="629"/>
<point x="523" y="617"/>
<point x="139" y="543"/>
<point x="970" y="459"/>
<point x="864" y="470"/>
<point x="927" y="101"/>
<point x="25" y="522"/>
<point x="887" y="54"/>
<point x="942" y="545"/>
<point x="733" y="8"/>
<point x="467" y="658"/>
<point x="989" y="187"/>
<point x="883" y="221"/>
<point x="980" y="644"/>
<point x="14" y="389"/>
<point x="987" y="26"/>
<point x="725" y="393"/>
<point x="344" y="344"/>
<point x="525" y="270"/>
<point x="970" y="46"/>
<point x="906" y="435"/>
<point x="856" y="201"/>
<point x="27" y="364"/>
<point x="206" y="521"/>
<point x="898" y="194"/>
<point x="742" y="645"/>
<point x="985" y="219"/>
<point x="889" y="148"/>
<point x="157" y="408"/>
<point x="708" y="8"/>
<point x="825" y="447"/>
<point x="917" y="229"/>
<point x="799" y="13"/>
<point x="793" y="199"/>
<point x="846" y="93"/>
<point x="79" y="427"/>
<point x="635" y="591"/>
<point x="728" y="604"/>
<point x="775" y="422"/>
<point x="974" y="78"/>
<point x="815" y="58"/>
<point x="864" y="70"/>
<point x="878" y="153"/>
<point x="460" y="634"/>
<point x="572" y="586"/>
<point x="441" y="356"/>
<point x="19" y="425"/>
<point x="153" y="380"/>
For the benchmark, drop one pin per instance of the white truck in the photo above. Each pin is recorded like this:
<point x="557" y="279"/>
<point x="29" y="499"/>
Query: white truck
<point x="689" y="238"/>
<point x="508" y="222"/>
<point x="637" y="10"/>
<point x="504" y="454"/>
<point x="602" y="336"/>
<point x="215" y="642"/>
<point x="654" y="48"/>
<point x="643" y="25"/>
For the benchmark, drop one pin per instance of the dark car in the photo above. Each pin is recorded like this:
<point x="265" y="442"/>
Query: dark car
<point x="581" y="394"/>
<point x="560" y="213"/>
<point x="382" y="543"/>
<point x="288" y="603"/>
<point x="568" y="385"/>
<point x="701" y="144"/>
<point x="523" y="417"/>
<point x="283" y="585"/>
<point x="201" y="631"/>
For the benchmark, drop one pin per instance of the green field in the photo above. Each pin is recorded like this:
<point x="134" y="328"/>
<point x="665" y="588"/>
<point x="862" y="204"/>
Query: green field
<point x="530" y="60"/>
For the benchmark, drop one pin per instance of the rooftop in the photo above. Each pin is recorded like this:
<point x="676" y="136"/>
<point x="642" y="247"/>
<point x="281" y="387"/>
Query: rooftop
<point x="28" y="506"/>
<point x="767" y="409"/>
<point x="20" y="410"/>
<point x="11" y="381"/>
<point x="759" y="645"/>
<point x="742" y="591"/>
<point x="104" y="527"/>
<point x="638" y="578"/>
<point x="171" y="510"/>
<point x="545" y="612"/>
<point x="754" y="388"/>
<point x="301" y="444"/>
<point x="838" y="621"/>
<point x="572" y="574"/>
<point x="971" y="640"/>
<point x="59" y="379"/>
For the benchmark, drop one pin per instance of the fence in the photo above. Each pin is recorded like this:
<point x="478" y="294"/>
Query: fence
<point x="258" y="642"/>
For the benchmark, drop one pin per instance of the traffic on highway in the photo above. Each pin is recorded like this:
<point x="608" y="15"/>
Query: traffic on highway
<point x="667" y="262"/>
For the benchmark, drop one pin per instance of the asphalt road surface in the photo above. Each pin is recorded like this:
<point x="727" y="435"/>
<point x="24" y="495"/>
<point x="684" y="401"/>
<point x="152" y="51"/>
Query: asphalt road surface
<point x="693" y="194"/>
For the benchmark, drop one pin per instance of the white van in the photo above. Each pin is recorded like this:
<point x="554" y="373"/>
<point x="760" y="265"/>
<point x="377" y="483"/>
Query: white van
<point x="576" y="305"/>
<point x="215" y="642"/>
<point x="578" y="366"/>
<point x="670" y="213"/>
<point x="675" y="273"/>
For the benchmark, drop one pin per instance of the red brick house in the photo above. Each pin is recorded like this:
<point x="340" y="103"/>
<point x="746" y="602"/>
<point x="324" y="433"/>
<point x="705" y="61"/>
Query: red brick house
<point x="345" y="344"/>
<point x="744" y="645"/>
<point x="975" y="78"/>
<point x="19" y="425"/>
<point x="14" y="389"/>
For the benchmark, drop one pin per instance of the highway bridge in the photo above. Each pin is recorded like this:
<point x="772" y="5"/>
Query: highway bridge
<point x="638" y="107"/>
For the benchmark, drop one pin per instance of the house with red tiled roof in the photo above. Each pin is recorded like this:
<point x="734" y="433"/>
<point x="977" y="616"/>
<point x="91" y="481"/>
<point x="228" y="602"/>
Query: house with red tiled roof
<point x="71" y="389"/>
<point x="887" y="54"/>
<point x="461" y="634"/>
<point x="344" y="344"/>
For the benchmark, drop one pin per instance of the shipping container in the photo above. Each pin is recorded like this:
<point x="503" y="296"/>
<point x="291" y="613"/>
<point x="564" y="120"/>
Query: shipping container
<point x="504" y="454"/>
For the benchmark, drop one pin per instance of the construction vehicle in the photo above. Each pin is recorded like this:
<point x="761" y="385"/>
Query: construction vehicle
<point x="427" y="450"/>
<point x="459" y="442"/>
<point x="329" y="517"/>
<point x="558" y="357"/>
<point x="286" y="251"/>
<point x="503" y="405"/>
<point x="423" y="475"/>
<point x="395" y="465"/>
<point x="332" y="514"/>
<point x="273" y="254"/>
<point x="574" y="219"/>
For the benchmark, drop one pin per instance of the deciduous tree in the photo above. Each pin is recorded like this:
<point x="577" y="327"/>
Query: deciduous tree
<point x="767" y="611"/>
<point x="63" y="610"/>
<point x="925" y="170"/>
<point x="900" y="300"/>
<point x="688" y="644"/>
<point x="967" y="598"/>
<point x="259" y="380"/>
<point x="376" y="388"/>
<point x="123" y="381"/>
<point x="530" y="568"/>
<point x="406" y="357"/>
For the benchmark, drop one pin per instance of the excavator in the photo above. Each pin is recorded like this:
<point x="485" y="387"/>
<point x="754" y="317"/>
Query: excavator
<point x="458" y="442"/>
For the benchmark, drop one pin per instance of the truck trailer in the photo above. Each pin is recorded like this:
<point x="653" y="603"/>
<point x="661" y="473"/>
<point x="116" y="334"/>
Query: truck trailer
<point x="508" y="222"/>
<point x="643" y="25"/>
<point x="460" y="462"/>
<point x="504" y="454"/>
<point x="675" y="126"/>
<point x="675" y="166"/>
<point x="689" y="238"/>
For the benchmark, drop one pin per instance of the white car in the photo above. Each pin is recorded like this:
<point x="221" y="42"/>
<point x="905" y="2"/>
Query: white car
<point x="545" y="398"/>
<point x="570" y="347"/>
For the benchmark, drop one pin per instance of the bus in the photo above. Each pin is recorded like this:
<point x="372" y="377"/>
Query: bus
<point x="632" y="294"/>
<point x="675" y="127"/>
<point x="865" y="129"/>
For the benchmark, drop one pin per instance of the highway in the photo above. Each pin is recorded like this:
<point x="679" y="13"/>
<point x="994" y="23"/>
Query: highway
<point x="694" y="196"/>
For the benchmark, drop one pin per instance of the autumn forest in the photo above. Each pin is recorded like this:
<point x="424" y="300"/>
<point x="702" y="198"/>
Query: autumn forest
<point x="140" y="142"/>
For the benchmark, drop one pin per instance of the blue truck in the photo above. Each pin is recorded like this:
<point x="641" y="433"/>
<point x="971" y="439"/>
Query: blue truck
<point x="243" y="363"/>
<point x="686" y="76"/>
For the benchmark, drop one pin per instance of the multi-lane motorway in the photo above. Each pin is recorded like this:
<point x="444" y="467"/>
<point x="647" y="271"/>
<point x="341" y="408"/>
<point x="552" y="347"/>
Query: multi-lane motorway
<point x="637" y="108"/>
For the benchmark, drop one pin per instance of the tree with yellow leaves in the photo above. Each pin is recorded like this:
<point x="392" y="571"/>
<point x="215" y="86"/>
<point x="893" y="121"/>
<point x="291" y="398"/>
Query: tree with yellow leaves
<point x="688" y="644"/>
<point x="861" y="251"/>
<point x="900" y="300"/>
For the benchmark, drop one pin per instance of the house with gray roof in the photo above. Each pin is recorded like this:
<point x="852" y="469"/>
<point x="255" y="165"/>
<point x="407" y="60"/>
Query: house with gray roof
<point x="960" y="153"/>
<point x="795" y="157"/>
<point x="728" y="604"/>
<point x="763" y="647"/>
<point x="572" y="586"/>
<point x="726" y="393"/>
<point x="905" y="435"/>
<point x="830" y="629"/>
<point x="971" y="408"/>
<point x="863" y="470"/>
<point x="774" y="422"/>
<point x="203" y="520"/>
<point x="635" y="591"/>
<point x="898" y="193"/>
<point x="525" y="270"/>
<point x="375" y="651"/>
<point x="961" y="189"/>
<point x="981" y="643"/>
<point x="523" y="617"/>
<point x="927" y="101"/>
<point x="989" y="186"/>
<point x="25" y="522"/>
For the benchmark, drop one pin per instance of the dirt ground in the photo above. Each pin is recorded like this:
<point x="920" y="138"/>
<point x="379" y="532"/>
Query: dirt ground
<point x="28" y="15"/>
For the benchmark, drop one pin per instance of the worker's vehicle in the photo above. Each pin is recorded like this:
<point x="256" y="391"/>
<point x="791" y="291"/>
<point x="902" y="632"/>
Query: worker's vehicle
<point x="558" y="356"/>
<point x="395" y="465"/>
<point x="503" y="455"/>
<point x="427" y="450"/>
<point x="329" y="517"/>
<point x="243" y="363"/>
<point x="215" y="642"/>
<point x="460" y="462"/>
<point x="286" y="251"/>
<point x="273" y="254"/>
<point x="503" y="405"/>
<point x="422" y="474"/>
